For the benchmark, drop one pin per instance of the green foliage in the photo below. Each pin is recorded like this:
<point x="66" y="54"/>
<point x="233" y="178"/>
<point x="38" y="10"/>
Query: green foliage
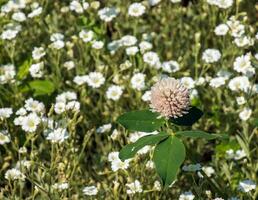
<point x="23" y="70"/>
<point x="42" y="87"/>
<point x="168" y="157"/>
<point x="143" y="120"/>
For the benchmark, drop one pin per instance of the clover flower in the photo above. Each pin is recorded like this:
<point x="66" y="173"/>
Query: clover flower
<point x="170" y="98"/>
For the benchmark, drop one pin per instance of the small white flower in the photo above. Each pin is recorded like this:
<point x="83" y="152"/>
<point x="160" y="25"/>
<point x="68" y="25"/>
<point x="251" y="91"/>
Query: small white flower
<point x="36" y="12"/>
<point x="112" y="156"/>
<point x="188" y="82"/>
<point x="14" y="174"/>
<point x="211" y="55"/>
<point x="145" y="46"/>
<point x="5" y="113"/>
<point x="30" y="122"/>
<point x="86" y="36"/>
<point x="175" y="1"/>
<point x="150" y="164"/>
<point x="115" y="134"/>
<point x="221" y="29"/>
<point x="146" y="96"/>
<point x="23" y="164"/>
<point x="237" y="29"/>
<point x="34" y="106"/>
<point x="60" y="107"/>
<point x="97" y="44"/>
<point x="224" y="3"/>
<point x="116" y="163"/>
<point x="192" y="167"/>
<point x="19" y="16"/>
<point x="186" y="196"/>
<point x="230" y="154"/>
<point x="76" y="6"/>
<point x="170" y="66"/>
<point x="114" y="92"/>
<point x="243" y="64"/>
<point x="221" y="3"/>
<point x="200" y="81"/>
<point x="56" y="37"/>
<point x="8" y="73"/>
<point x="66" y="96"/>
<point x="224" y="73"/>
<point x="144" y="150"/>
<point x="85" y="5"/>
<point x="239" y="83"/>
<point x="157" y="186"/>
<point x="90" y="191"/>
<point x="23" y="150"/>
<point x="207" y="170"/>
<point x="107" y="14"/>
<point x="38" y="52"/>
<point x="36" y="70"/>
<point x="59" y="44"/>
<point x="245" y="114"/>
<point x="69" y="65"/>
<point x="131" y="51"/>
<point x="243" y="41"/>
<point x="73" y="105"/>
<point x="4" y="137"/>
<point x="104" y="128"/>
<point x="134" y="187"/>
<point x="136" y="9"/>
<point x="137" y="135"/>
<point x="128" y="40"/>
<point x="61" y="186"/>
<point x="80" y="80"/>
<point x="138" y="81"/>
<point x="240" y="100"/>
<point x="95" y="79"/>
<point x="58" y="135"/>
<point x="152" y="59"/>
<point x="217" y="82"/>
<point x="240" y="154"/>
<point x="9" y="34"/>
<point x="246" y="186"/>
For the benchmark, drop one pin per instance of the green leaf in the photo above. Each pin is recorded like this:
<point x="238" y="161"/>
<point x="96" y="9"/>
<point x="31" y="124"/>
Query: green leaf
<point x="42" y="87"/>
<point x="193" y="115"/>
<point x="168" y="157"/>
<point x="23" y="70"/>
<point x="201" y="134"/>
<point x="143" y="120"/>
<point x="131" y="149"/>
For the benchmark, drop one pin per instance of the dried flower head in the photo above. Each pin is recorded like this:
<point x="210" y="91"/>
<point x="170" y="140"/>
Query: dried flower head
<point x="170" y="98"/>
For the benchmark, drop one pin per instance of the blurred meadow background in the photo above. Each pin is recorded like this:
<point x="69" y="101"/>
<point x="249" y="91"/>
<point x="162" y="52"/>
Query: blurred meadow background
<point x="69" y="68"/>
